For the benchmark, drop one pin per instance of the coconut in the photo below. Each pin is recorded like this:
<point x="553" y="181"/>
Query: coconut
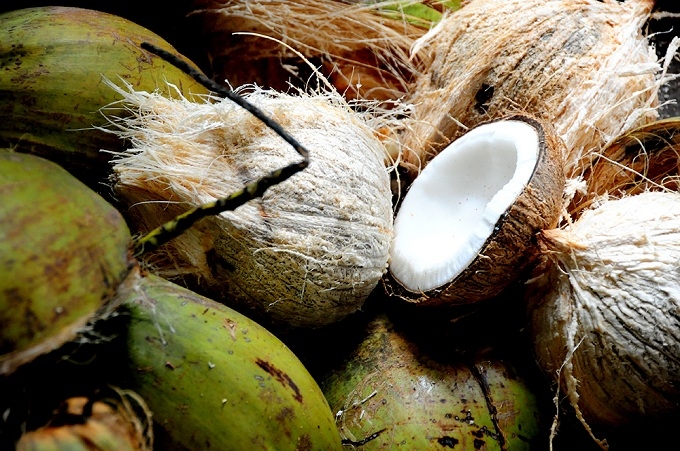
<point x="581" y="65"/>
<point x="363" y="51"/>
<point x="309" y="251"/>
<point x="64" y="254"/>
<point x="215" y="379"/>
<point x="393" y="391"/>
<point x="466" y="228"/>
<point x="52" y="89"/>
<point x="604" y="310"/>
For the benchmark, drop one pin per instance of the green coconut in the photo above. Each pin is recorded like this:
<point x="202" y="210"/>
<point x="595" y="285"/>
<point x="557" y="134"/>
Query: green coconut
<point x="63" y="253"/>
<point x="392" y="393"/>
<point x="53" y="62"/>
<point x="215" y="379"/>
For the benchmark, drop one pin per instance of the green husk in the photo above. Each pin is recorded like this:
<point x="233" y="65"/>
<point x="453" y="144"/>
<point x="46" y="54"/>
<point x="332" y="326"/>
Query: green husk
<point x="63" y="253"/>
<point x="53" y="61"/>
<point x="214" y="379"/>
<point x="391" y="393"/>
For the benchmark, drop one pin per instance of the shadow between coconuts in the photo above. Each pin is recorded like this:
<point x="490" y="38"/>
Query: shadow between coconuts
<point x="512" y="245"/>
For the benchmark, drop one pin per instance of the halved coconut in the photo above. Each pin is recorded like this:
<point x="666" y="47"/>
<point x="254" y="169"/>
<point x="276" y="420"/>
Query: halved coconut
<point x="466" y="228"/>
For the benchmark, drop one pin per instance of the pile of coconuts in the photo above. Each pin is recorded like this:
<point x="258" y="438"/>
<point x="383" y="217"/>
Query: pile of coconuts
<point x="480" y="252"/>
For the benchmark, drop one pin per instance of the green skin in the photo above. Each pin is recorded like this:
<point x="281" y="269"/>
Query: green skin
<point x="392" y="395"/>
<point x="63" y="252"/>
<point x="215" y="379"/>
<point x="52" y="64"/>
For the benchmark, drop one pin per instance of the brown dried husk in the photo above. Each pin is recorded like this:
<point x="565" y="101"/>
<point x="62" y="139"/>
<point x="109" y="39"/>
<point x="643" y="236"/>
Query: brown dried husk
<point x="119" y="423"/>
<point x="363" y="53"/>
<point x="510" y="250"/>
<point x="311" y="250"/>
<point x="644" y="159"/>
<point x="582" y="65"/>
<point x="604" y="310"/>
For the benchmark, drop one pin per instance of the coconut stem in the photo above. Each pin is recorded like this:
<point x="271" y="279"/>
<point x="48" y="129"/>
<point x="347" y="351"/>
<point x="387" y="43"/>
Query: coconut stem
<point x="179" y="224"/>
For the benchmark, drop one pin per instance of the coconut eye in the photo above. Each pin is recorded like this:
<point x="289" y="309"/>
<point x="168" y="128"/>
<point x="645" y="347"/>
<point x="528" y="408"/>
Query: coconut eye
<point x="467" y="205"/>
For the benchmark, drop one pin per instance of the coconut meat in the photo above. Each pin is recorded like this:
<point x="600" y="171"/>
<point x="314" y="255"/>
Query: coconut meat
<point x="453" y="206"/>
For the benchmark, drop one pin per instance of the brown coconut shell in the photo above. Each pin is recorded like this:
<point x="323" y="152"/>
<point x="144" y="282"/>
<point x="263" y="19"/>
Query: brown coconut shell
<point x="582" y="65"/>
<point x="513" y="246"/>
<point x="603" y="310"/>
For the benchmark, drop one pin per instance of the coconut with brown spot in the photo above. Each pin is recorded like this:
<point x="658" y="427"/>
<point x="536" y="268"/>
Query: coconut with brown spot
<point x="582" y="65"/>
<point x="466" y="228"/>
<point x="312" y="249"/>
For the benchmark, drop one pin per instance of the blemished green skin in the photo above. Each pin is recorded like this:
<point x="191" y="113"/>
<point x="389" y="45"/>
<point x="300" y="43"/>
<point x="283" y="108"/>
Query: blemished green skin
<point x="391" y="395"/>
<point x="63" y="252"/>
<point x="52" y="64"/>
<point x="215" y="379"/>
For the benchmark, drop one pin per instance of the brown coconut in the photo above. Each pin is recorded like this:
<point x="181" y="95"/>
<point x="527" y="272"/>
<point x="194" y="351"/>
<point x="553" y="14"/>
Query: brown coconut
<point x="309" y="251"/>
<point x="582" y="65"/>
<point x="363" y="52"/>
<point x="604" y="310"/>
<point x="467" y="227"/>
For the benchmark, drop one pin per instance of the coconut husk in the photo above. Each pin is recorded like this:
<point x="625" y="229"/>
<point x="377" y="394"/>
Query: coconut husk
<point x="644" y="159"/>
<point x="363" y="52"/>
<point x="604" y="311"/>
<point x="121" y="422"/>
<point x="582" y="65"/>
<point x="311" y="250"/>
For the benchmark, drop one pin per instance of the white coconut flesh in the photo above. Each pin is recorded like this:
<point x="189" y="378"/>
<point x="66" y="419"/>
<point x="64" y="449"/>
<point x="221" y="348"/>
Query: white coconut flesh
<point x="453" y="206"/>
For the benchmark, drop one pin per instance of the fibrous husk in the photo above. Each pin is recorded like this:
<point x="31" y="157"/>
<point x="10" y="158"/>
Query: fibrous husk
<point x="120" y="423"/>
<point x="498" y="258"/>
<point x="643" y="159"/>
<point x="309" y="251"/>
<point x="604" y="310"/>
<point x="582" y="65"/>
<point x="364" y="53"/>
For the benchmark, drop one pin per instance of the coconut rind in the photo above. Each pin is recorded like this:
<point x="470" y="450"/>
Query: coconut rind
<point x="604" y="310"/>
<point x="512" y="247"/>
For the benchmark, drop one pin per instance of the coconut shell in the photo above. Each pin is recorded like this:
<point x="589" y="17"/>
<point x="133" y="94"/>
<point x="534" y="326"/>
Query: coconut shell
<point x="214" y="379"/>
<point x="582" y="65"/>
<point x="64" y="251"/>
<point x="512" y="247"/>
<point x="52" y="88"/>
<point x="604" y="310"/>
<point x="392" y="392"/>
<point x="311" y="250"/>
